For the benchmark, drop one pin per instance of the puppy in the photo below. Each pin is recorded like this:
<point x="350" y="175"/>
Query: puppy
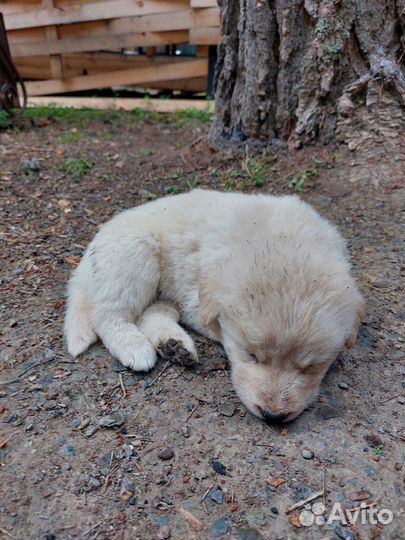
<point x="265" y="276"/>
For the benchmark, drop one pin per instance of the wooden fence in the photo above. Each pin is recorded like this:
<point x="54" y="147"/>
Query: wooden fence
<point x="65" y="46"/>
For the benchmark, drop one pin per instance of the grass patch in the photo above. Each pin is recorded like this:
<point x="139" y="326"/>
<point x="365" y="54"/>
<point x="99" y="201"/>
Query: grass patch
<point x="298" y="181"/>
<point x="4" y="120"/>
<point x="76" y="168"/>
<point x="70" y="137"/>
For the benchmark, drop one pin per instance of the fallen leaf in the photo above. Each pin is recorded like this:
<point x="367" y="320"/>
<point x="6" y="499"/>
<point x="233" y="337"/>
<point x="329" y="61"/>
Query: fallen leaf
<point x="277" y="482"/>
<point x="107" y="198"/>
<point x="119" y="164"/>
<point x="360" y="495"/>
<point x="73" y="260"/>
<point x="294" y="520"/>
<point x="61" y="374"/>
<point x="376" y="531"/>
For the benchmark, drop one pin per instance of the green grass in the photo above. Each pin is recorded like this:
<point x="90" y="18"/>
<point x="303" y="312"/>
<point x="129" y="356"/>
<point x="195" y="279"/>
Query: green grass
<point x="76" y="168"/>
<point x="4" y="120"/>
<point x="298" y="181"/>
<point x="71" y="137"/>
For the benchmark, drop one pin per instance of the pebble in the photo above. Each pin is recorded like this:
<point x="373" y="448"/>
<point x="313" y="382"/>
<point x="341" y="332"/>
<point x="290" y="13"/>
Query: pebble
<point x="31" y="165"/>
<point x="90" y="431"/>
<point x="68" y="450"/>
<point x="94" y="482"/>
<point x="217" y="495"/>
<point x="345" y="534"/>
<point x="76" y="422"/>
<point x="50" y="536"/>
<point x="51" y="404"/>
<point x="132" y="501"/>
<point x="127" y="489"/>
<point x="219" y="468"/>
<point x="221" y="526"/>
<point x="401" y="400"/>
<point x="227" y="409"/>
<point x="112" y="420"/>
<point x="307" y="454"/>
<point x="166" y="454"/>
<point x="274" y="510"/>
<point x="163" y="533"/>
<point x="343" y="386"/>
<point x="257" y="518"/>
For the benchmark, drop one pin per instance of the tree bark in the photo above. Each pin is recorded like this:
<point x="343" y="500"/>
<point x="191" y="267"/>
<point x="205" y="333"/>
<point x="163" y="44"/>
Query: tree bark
<point x="311" y="70"/>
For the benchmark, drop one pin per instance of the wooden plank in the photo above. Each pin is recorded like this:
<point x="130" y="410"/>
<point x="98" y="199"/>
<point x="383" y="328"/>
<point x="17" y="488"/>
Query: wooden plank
<point x="181" y="20"/>
<point x="38" y="68"/>
<point x="126" y="104"/>
<point x="137" y="76"/>
<point x="205" y="36"/>
<point x="90" y="12"/>
<point x="203" y="3"/>
<point x="52" y="35"/>
<point x="87" y="44"/>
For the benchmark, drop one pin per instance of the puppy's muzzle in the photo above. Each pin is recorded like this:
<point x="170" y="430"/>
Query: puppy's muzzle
<point x="273" y="418"/>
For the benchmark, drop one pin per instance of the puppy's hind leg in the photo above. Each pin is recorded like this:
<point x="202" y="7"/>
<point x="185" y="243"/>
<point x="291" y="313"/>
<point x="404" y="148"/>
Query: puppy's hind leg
<point x="159" y="323"/>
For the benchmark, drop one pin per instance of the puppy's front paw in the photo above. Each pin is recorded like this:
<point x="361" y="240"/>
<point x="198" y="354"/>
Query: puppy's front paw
<point x="175" y="351"/>
<point x="140" y="358"/>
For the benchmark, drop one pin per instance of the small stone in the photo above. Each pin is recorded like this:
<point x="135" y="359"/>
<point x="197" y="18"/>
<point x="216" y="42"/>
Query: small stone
<point x="166" y="454"/>
<point x="76" y="422"/>
<point x="373" y="440"/>
<point x="307" y="454"/>
<point x="345" y="534"/>
<point x="31" y="165"/>
<point x="274" y="510"/>
<point x="219" y="468"/>
<point x="68" y="450"/>
<point x="50" y="536"/>
<point x="217" y="495"/>
<point x="94" y="482"/>
<point x="49" y="405"/>
<point x="127" y="489"/>
<point x="163" y="533"/>
<point x="221" y="526"/>
<point x="401" y="400"/>
<point x="90" y="431"/>
<point x="227" y="409"/>
<point x="343" y="386"/>
<point x="112" y="420"/>
<point x="132" y="501"/>
<point x="185" y="430"/>
<point x="122" y="517"/>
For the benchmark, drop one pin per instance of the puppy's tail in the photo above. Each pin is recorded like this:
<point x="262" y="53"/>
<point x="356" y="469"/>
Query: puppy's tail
<point x="79" y="333"/>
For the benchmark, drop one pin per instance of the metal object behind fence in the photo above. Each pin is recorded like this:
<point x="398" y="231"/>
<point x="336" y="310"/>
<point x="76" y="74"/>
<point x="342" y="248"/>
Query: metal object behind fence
<point x="9" y="78"/>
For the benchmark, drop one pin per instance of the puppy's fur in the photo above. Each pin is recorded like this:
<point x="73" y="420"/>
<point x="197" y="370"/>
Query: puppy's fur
<point x="265" y="276"/>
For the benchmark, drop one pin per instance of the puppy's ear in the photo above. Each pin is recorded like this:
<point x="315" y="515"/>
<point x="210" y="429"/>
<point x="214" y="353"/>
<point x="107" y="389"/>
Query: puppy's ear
<point x="361" y="311"/>
<point x="208" y="306"/>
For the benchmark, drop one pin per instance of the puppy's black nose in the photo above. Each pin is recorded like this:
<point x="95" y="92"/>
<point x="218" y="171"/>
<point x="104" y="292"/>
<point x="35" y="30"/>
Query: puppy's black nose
<point x="273" y="418"/>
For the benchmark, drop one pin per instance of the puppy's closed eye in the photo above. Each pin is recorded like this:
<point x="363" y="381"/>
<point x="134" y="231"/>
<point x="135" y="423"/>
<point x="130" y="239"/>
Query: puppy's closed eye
<point x="314" y="368"/>
<point x="253" y="358"/>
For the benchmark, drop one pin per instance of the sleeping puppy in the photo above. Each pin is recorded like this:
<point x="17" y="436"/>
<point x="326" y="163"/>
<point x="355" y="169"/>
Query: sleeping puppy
<point x="265" y="276"/>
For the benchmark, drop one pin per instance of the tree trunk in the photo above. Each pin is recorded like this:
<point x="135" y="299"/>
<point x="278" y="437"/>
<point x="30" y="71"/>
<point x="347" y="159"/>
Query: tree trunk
<point x="311" y="70"/>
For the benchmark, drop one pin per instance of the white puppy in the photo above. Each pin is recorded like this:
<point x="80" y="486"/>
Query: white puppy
<point x="265" y="276"/>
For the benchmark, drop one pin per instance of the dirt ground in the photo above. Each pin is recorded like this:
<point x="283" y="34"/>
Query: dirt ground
<point x="91" y="450"/>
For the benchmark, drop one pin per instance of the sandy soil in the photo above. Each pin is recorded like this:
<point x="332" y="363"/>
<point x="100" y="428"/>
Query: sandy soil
<point x="96" y="451"/>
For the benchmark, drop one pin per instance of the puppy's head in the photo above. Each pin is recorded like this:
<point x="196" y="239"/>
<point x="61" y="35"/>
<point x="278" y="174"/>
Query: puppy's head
<point x="282" y="334"/>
